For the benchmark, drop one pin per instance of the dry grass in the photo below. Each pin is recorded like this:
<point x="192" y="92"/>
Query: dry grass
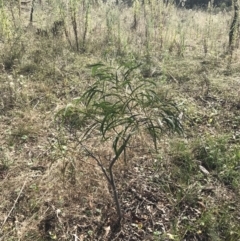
<point x="50" y="190"/>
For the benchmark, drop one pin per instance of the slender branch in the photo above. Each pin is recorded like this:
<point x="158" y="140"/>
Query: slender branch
<point x="115" y="194"/>
<point x="113" y="161"/>
<point x="31" y="13"/>
<point x="15" y="202"/>
<point x="75" y="27"/>
<point x="119" y="152"/>
<point x="98" y="162"/>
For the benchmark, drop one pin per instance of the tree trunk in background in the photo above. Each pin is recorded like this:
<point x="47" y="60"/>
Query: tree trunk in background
<point x="234" y="28"/>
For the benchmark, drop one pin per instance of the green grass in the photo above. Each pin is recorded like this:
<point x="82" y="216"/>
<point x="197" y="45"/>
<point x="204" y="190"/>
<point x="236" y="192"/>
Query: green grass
<point x="51" y="190"/>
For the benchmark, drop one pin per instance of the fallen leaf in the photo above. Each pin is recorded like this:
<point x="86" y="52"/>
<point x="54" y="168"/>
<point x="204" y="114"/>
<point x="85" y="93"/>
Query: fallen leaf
<point x="203" y="170"/>
<point x="107" y="230"/>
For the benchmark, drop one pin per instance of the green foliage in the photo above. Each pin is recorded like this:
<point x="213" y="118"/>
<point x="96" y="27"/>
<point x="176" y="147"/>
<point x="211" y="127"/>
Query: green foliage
<point x="216" y="155"/>
<point x="211" y="153"/>
<point x="119" y="104"/>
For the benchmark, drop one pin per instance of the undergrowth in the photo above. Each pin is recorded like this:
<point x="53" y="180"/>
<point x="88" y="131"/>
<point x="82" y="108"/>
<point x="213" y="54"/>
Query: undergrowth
<point x="51" y="189"/>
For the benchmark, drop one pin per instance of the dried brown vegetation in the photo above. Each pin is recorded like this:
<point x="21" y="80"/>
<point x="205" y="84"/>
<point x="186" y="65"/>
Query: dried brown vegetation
<point x="51" y="190"/>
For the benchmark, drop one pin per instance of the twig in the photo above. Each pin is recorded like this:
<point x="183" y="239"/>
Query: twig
<point x="15" y="202"/>
<point x="98" y="162"/>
